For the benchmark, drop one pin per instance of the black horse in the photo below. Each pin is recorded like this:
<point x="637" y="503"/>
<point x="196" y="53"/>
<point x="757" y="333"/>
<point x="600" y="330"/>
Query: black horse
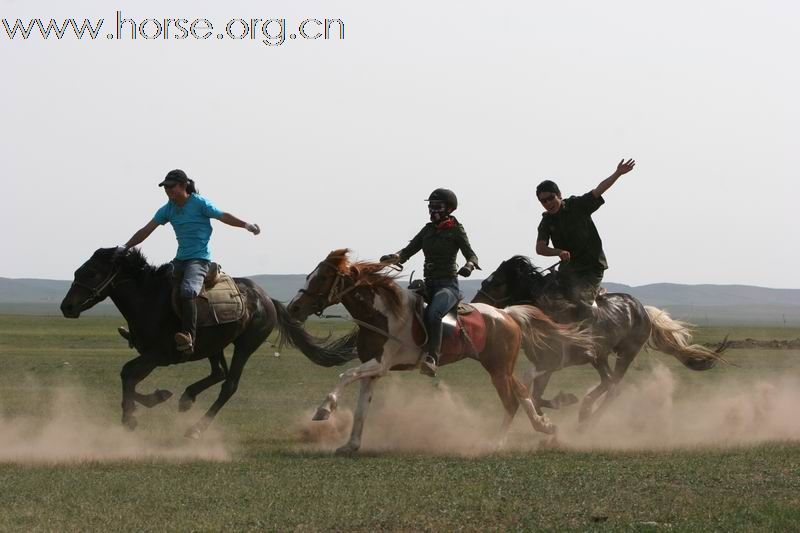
<point x="621" y="324"/>
<point x="142" y="293"/>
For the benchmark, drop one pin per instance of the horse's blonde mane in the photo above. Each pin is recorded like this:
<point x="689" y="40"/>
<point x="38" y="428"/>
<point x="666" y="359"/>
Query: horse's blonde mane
<point x="377" y="276"/>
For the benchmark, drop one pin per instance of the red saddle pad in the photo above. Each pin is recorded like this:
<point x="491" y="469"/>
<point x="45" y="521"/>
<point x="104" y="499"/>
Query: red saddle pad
<point x="454" y="340"/>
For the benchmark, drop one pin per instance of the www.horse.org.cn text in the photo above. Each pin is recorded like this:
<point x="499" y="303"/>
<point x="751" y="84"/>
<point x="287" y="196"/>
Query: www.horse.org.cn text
<point x="268" y="31"/>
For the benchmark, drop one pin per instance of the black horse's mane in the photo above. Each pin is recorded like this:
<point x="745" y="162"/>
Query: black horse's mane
<point x="525" y="266"/>
<point x="135" y="265"/>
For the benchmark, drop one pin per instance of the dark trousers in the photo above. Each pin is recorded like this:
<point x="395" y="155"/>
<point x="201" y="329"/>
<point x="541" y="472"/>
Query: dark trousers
<point x="581" y="287"/>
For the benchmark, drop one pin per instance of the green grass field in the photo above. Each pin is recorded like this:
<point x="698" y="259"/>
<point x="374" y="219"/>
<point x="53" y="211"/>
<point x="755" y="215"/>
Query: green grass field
<point x="60" y="394"/>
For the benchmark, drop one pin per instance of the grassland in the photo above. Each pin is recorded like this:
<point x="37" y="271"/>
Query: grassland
<point x="271" y="481"/>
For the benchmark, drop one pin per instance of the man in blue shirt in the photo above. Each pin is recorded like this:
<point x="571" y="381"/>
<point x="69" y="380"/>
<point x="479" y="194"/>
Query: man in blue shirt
<point x="190" y="215"/>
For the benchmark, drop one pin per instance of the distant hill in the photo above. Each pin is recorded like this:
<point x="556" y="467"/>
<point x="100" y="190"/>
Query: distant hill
<point x="701" y="304"/>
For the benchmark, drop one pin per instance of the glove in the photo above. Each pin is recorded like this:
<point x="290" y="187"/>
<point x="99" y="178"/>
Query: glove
<point x="390" y="258"/>
<point x="466" y="270"/>
<point x="253" y="228"/>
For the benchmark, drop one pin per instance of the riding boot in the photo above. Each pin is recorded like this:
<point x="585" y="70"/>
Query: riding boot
<point x="430" y="364"/>
<point x="185" y="339"/>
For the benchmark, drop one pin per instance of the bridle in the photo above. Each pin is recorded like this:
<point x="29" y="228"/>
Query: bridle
<point x="335" y="294"/>
<point x="496" y="302"/>
<point x="96" y="292"/>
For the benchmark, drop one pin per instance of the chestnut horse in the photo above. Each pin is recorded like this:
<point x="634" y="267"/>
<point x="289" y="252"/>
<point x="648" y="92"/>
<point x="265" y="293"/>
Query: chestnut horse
<point x="142" y="294"/>
<point x="385" y="313"/>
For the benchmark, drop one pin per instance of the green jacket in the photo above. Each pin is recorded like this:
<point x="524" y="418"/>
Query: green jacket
<point x="440" y="247"/>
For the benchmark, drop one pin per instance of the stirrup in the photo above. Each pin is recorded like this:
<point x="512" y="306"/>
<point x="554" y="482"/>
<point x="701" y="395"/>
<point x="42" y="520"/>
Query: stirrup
<point x="183" y="342"/>
<point x="125" y="334"/>
<point x="428" y="366"/>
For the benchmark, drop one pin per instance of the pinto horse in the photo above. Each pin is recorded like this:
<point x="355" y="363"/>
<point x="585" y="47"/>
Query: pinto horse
<point x="142" y="293"/>
<point x="621" y="324"/>
<point x="386" y="313"/>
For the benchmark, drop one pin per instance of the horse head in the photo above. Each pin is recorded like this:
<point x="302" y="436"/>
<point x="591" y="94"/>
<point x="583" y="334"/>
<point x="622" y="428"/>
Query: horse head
<point x="96" y="278"/>
<point x="516" y="280"/>
<point x="336" y="278"/>
<point x="323" y="287"/>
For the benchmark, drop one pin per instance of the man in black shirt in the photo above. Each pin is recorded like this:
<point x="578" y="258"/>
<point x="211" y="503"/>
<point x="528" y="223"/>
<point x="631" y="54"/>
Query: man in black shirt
<point x="568" y="224"/>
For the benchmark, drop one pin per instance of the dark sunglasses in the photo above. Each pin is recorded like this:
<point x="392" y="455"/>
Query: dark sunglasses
<point x="547" y="198"/>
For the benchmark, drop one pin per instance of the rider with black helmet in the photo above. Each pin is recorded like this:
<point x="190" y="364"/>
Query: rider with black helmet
<point x="440" y="240"/>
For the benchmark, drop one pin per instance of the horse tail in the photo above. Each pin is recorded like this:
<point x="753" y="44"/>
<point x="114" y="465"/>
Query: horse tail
<point x="540" y="331"/>
<point x="319" y="351"/>
<point x="674" y="337"/>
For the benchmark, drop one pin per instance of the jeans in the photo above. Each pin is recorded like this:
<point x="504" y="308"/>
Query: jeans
<point x="190" y="273"/>
<point x="444" y="295"/>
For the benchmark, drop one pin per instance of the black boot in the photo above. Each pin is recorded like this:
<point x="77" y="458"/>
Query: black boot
<point x="430" y="363"/>
<point x="185" y="339"/>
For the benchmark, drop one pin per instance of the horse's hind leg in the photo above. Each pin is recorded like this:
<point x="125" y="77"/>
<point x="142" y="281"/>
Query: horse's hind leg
<point x="132" y="373"/>
<point x="219" y="372"/>
<point x="539" y="422"/>
<point x="154" y="398"/>
<point x="364" y="399"/>
<point x="502" y="383"/>
<point x="243" y="349"/>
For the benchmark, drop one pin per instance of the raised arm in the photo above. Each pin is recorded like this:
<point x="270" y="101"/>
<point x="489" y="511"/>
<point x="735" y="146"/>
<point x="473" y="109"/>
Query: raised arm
<point x="622" y="168"/>
<point x="141" y="235"/>
<point x="231" y="220"/>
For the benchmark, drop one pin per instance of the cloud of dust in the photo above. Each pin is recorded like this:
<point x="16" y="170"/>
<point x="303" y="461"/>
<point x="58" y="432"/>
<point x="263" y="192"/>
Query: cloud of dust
<point x="69" y="432"/>
<point x="652" y="414"/>
<point x="657" y="414"/>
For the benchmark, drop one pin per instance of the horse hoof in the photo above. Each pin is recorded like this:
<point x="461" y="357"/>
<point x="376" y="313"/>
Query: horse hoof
<point x="550" y="443"/>
<point x="564" y="399"/>
<point x="185" y="403"/>
<point x="129" y="422"/>
<point x="321" y="414"/>
<point x="545" y="426"/>
<point x="163" y="395"/>
<point x="347" y="449"/>
<point x="193" y="434"/>
<point x="549" y="429"/>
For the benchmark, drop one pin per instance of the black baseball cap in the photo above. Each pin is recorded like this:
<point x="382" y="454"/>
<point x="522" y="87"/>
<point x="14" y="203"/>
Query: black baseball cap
<point x="175" y="176"/>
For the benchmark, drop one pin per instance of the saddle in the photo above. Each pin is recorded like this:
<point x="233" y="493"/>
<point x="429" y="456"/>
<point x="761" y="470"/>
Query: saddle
<point x="219" y="301"/>
<point x="463" y="329"/>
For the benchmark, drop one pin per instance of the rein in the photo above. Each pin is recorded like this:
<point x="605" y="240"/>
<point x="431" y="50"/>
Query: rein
<point x="496" y="302"/>
<point x="336" y="292"/>
<point x="335" y="295"/>
<point x="96" y="291"/>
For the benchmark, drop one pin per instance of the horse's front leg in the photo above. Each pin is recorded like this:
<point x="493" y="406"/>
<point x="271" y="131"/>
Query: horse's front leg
<point x="587" y="403"/>
<point x="369" y="369"/>
<point x="364" y="399"/>
<point x="132" y="373"/>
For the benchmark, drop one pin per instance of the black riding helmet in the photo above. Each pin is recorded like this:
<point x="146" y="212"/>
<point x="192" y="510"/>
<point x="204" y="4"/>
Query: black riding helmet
<point x="446" y="196"/>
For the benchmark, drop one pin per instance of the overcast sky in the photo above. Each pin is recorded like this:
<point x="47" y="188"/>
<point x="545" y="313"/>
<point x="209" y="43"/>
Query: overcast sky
<point x="336" y="143"/>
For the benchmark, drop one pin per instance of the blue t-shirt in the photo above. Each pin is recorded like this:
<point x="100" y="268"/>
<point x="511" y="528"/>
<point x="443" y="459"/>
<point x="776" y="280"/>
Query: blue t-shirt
<point x="192" y="225"/>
